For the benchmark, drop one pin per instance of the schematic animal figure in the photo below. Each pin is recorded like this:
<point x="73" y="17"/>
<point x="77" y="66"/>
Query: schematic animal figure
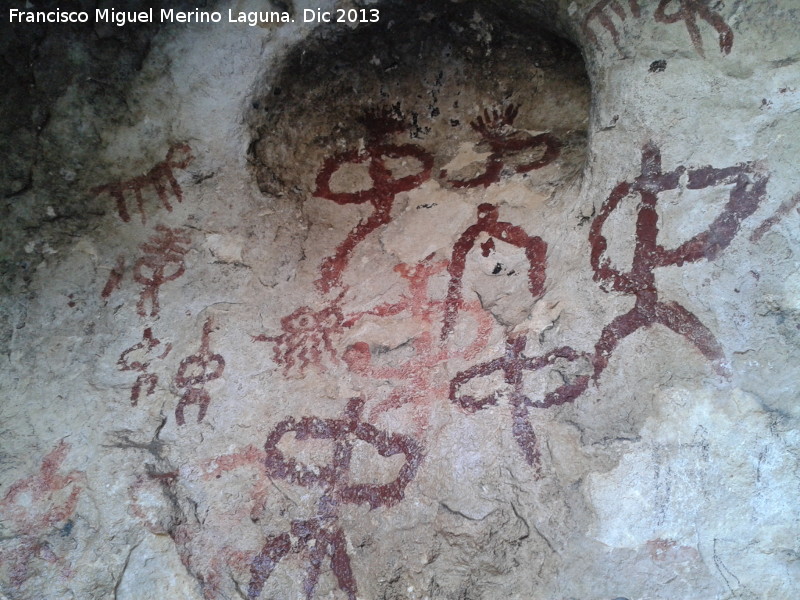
<point x="506" y="144"/>
<point x="749" y="189"/>
<point x="385" y="186"/>
<point x="320" y="538"/>
<point x="688" y="12"/>
<point x="514" y="365"/>
<point x="159" y="178"/>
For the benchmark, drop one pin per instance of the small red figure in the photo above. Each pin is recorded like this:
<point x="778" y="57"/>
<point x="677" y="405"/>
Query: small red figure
<point x="505" y="142"/>
<point x="194" y="372"/>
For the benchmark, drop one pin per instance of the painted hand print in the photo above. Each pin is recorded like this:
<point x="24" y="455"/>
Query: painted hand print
<point x="688" y="11"/>
<point x="133" y="359"/>
<point x="320" y="538"/>
<point x="158" y="179"/>
<point x="162" y="262"/>
<point x="33" y="509"/>
<point x="378" y="156"/>
<point x="418" y="379"/>
<point x="508" y="146"/>
<point x="306" y="340"/>
<point x="749" y="189"/>
<point x="600" y="13"/>
<point x="514" y="365"/>
<point x="535" y="251"/>
<point x="194" y="372"/>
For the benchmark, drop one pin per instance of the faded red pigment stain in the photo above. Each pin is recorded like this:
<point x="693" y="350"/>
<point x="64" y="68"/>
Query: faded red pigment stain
<point x="688" y="11"/>
<point x="36" y="507"/>
<point x="514" y="365"/>
<point x="601" y="13"/>
<point x="749" y="189"/>
<point x="380" y="125"/>
<point x="417" y="381"/>
<point x="668" y="551"/>
<point x="320" y="538"/>
<point x="194" y="372"/>
<point x="769" y="223"/>
<point x="152" y="490"/>
<point x="250" y="457"/>
<point x="114" y="278"/>
<point x="535" y="251"/>
<point x="306" y="340"/>
<point x="147" y="486"/>
<point x="144" y="380"/>
<point x="159" y="178"/>
<point x="163" y="261"/>
<point x="505" y="142"/>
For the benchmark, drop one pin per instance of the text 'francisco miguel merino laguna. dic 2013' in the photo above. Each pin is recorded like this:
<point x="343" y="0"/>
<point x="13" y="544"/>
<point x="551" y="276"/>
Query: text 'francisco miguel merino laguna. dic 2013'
<point x="252" y="18"/>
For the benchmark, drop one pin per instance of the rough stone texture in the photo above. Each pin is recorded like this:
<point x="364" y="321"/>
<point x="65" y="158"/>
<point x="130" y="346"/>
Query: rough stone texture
<point x="486" y="300"/>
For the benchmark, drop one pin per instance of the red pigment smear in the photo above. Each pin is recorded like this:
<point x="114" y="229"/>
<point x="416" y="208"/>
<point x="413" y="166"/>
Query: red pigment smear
<point x="535" y="251"/>
<point x="688" y="12"/>
<point x="320" y="537"/>
<point x="162" y="262"/>
<point x="382" y="193"/>
<point x="748" y="191"/>
<point x="600" y="13"/>
<point x="158" y="178"/>
<point x="782" y="211"/>
<point x="514" y="365"/>
<point x="114" y="278"/>
<point x="145" y="379"/>
<point x="194" y="372"/>
<point x="504" y="141"/>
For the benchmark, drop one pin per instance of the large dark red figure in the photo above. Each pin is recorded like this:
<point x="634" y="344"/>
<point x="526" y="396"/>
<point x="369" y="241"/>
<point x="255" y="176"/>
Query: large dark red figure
<point x="320" y="537"/>
<point x="380" y="125"/>
<point x="749" y="189"/>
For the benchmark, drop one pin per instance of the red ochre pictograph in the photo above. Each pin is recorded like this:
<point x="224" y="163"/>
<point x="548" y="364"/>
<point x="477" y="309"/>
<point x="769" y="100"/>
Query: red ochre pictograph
<point x="506" y="144"/>
<point x="749" y="189"/>
<point x="144" y="380"/>
<point x="418" y="377"/>
<point x="36" y="507"/>
<point x="514" y="365"/>
<point x="380" y="123"/>
<point x="159" y="178"/>
<point x="488" y="222"/>
<point x="163" y="261"/>
<point x="306" y="340"/>
<point x="320" y="538"/>
<point x="194" y="372"/>
<point x="688" y="11"/>
<point x="601" y="12"/>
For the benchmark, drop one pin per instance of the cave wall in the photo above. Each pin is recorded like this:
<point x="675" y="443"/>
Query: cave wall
<point x="482" y="300"/>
